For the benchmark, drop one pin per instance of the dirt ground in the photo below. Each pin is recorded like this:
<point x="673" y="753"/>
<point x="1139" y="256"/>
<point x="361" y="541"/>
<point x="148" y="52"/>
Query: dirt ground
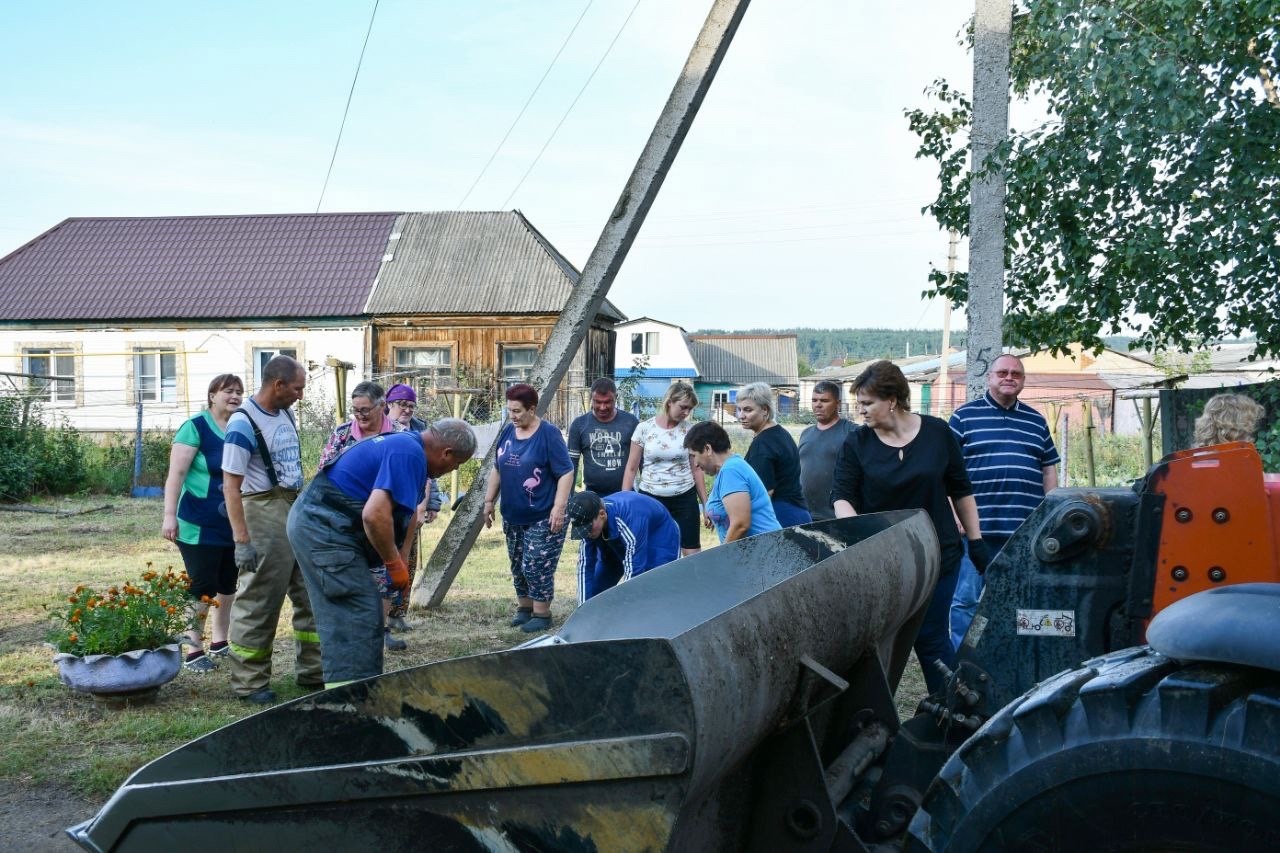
<point x="33" y="818"/>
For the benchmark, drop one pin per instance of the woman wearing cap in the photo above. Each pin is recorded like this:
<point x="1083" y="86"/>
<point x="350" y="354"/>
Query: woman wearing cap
<point x="402" y="403"/>
<point x="368" y="418"/>
<point x="773" y="454"/>
<point x="666" y="475"/>
<point x="739" y="504"/>
<point x="533" y="475"/>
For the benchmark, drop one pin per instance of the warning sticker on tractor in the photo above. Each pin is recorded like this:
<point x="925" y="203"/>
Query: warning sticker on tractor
<point x="1047" y="623"/>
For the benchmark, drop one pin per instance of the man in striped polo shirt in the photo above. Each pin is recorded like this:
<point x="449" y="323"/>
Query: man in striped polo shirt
<point x="1011" y="461"/>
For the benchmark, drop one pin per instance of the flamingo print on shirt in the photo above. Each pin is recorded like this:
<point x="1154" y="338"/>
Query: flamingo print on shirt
<point x="532" y="483"/>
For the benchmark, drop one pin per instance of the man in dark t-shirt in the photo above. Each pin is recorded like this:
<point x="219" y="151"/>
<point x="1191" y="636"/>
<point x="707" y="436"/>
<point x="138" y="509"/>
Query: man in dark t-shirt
<point x="820" y="447"/>
<point x="601" y="438"/>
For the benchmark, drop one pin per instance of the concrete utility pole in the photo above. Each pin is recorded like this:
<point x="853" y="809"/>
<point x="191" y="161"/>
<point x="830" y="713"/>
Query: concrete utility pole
<point x="602" y="267"/>
<point x="993" y="20"/>
<point x="944" y="368"/>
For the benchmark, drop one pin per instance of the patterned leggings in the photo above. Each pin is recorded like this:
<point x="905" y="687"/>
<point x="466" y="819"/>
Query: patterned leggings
<point x="534" y="551"/>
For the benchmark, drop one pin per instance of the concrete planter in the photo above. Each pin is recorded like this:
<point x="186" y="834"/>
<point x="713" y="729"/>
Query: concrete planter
<point x="130" y="677"/>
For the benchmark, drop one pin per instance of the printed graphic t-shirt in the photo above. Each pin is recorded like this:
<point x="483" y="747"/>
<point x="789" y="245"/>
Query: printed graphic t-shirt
<point x="666" y="470"/>
<point x="603" y="449"/>
<point x="528" y="469"/>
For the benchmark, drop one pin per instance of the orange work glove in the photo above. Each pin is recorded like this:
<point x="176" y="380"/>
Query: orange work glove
<point x="398" y="573"/>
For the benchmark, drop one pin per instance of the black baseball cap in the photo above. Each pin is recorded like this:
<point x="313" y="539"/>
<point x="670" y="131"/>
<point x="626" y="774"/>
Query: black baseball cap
<point x="583" y="509"/>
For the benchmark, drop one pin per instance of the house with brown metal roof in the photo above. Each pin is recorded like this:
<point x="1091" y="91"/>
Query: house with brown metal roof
<point x="99" y="315"/>
<point x="727" y="362"/>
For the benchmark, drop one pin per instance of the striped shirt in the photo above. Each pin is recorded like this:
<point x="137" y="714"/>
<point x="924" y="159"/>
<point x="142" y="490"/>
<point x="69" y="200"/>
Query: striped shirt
<point x="1005" y="452"/>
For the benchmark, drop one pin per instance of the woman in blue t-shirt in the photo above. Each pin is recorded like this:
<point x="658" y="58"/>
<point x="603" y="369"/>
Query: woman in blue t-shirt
<point x="534" y="476"/>
<point x="195" y="519"/>
<point x="738" y="504"/>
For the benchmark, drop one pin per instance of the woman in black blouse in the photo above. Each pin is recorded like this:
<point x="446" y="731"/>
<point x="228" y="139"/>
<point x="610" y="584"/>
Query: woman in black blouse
<point x="910" y="461"/>
<point x="773" y="454"/>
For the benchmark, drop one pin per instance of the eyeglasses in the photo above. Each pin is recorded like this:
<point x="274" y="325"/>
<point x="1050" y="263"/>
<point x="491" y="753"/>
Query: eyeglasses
<point x="1016" y="374"/>
<point x="404" y="404"/>
<point x="363" y="413"/>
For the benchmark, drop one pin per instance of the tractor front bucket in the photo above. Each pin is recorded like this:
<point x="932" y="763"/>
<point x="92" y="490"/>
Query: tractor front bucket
<point x="633" y="728"/>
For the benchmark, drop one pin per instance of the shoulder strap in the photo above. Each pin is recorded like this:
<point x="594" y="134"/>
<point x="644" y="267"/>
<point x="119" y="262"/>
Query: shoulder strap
<point x="262" y="447"/>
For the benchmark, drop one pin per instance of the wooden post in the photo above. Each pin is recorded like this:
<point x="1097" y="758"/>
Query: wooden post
<point x="1088" y="443"/>
<point x="431" y="586"/>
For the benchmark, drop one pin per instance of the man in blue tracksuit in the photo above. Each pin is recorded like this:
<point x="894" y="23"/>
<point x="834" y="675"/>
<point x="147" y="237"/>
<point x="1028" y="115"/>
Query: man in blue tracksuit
<point x="623" y="535"/>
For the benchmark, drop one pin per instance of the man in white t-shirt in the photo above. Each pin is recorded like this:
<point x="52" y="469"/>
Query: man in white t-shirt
<point x="262" y="474"/>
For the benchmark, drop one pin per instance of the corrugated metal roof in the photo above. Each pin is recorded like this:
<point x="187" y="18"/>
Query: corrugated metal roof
<point x="739" y="359"/>
<point x="196" y="267"/>
<point x="474" y="262"/>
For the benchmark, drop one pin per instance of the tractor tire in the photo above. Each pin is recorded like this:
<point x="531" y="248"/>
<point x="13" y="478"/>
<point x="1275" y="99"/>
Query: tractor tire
<point x="1133" y="751"/>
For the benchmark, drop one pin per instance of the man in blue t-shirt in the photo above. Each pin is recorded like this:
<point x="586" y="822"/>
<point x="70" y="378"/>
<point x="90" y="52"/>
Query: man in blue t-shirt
<point x="1012" y="463"/>
<point x="364" y="510"/>
<point x="623" y="535"/>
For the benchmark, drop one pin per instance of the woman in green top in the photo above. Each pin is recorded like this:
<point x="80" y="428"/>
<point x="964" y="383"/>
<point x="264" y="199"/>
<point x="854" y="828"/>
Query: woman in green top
<point x="195" y="518"/>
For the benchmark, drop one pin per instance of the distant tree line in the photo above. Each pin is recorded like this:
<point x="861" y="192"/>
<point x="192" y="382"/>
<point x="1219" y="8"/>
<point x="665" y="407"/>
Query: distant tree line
<point x="820" y="348"/>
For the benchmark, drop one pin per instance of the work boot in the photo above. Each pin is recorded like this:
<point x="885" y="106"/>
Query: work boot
<point x="262" y="696"/>
<point x="394" y="644"/>
<point x="397" y="624"/>
<point x="523" y="615"/>
<point x="536" y="624"/>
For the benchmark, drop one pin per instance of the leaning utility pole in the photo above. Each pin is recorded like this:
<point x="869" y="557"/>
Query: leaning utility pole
<point x="601" y="268"/>
<point x="992" y="22"/>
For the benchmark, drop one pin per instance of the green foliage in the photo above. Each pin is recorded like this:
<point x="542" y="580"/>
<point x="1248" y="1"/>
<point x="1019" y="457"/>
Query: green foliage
<point x="146" y="615"/>
<point x="1117" y="459"/>
<point x="1183" y="364"/>
<point x="36" y="458"/>
<point x="1150" y="196"/>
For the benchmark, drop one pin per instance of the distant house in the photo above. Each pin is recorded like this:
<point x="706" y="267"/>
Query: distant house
<point x="727" y="362"/>
<point x="99" y="315"/>
<point x="656" y="352"/>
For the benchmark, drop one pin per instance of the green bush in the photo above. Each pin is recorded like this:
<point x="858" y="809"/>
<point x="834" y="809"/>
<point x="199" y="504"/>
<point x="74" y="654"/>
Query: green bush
<point x="1117" y="459"/>
<point x="34" y="457"/>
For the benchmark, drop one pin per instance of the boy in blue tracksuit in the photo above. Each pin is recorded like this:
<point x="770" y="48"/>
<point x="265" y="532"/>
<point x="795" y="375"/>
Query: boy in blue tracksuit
<point x="622" y="535"/>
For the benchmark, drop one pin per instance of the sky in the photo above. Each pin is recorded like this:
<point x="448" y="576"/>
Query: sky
<point x="794" y="201"/>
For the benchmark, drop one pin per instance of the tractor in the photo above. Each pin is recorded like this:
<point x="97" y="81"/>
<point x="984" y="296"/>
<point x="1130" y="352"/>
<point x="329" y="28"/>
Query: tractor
<point x="1119" y="689"/>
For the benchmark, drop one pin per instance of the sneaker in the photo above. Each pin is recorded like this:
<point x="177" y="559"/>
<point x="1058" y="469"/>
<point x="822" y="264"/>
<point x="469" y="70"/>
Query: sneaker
<point x="534" y="624"/>
<point x="523" y="615"/>
<point x="394" y="644"/>
<point x="397" y="624"/>
<point x="262" y="696"/>
<point x="202" y="663"/>
<point x="219" y="652"/>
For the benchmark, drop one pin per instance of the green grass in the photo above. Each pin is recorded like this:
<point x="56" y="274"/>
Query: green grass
<point x="56" y="737"/>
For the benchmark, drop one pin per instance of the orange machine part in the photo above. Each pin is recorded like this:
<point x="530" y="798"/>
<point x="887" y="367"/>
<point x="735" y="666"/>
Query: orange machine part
<point x="1219" y="522"/>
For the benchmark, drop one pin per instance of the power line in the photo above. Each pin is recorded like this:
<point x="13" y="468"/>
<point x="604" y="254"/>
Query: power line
<point x="350" y="94"/>
<point x="528" y="101"/>
<point x="574" y="103"/>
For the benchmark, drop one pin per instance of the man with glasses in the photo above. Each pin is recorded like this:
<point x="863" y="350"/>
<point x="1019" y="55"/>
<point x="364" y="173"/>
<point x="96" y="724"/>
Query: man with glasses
<point x="1012" y="463"/>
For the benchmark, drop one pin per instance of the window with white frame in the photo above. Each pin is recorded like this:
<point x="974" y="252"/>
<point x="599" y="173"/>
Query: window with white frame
<point x="155" y="374"/>
<point x="644" y="343"/>
<point x="261" y="355"/>
<point x="51" y="374"/>
<point x="719" y="404"/>
<point x="517" y="363"/>
<point x="425" y="366"/>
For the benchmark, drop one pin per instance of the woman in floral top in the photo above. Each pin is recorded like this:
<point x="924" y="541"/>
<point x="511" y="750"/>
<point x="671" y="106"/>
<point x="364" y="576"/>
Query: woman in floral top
<point x="368" y="418"/>
<point x="666" y="475"/>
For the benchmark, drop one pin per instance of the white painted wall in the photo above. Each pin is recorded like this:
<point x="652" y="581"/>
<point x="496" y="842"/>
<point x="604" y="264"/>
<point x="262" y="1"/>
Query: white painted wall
<point x="104" y="367"/>
<point x="673" y="351"/>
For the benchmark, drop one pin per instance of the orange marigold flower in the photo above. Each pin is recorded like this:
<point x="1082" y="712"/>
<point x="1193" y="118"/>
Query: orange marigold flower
<point x="79" y="587"/>
<point x="75" y="617"/>
<point x="75" y="638"/>
<point x="91" y="604"/>
<point x="72" y="599"/>
<point x="172" y="610"/>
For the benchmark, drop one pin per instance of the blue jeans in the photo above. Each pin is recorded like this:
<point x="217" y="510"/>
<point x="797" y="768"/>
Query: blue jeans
<point x="934" y="640"/>
<point x="969" y="590"/>
<point x="789" y="514"/>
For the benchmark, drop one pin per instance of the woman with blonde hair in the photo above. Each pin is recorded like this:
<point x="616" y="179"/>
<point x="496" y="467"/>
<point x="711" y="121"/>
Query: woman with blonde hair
<point x="773" y="454"/>
<point x="666" y="475"/>
<point x="1228" y="417"/>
